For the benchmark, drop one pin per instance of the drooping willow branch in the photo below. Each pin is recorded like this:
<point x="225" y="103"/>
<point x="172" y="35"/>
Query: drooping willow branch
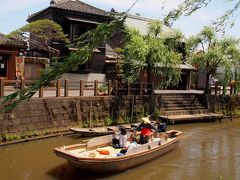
<point x="185" y="9"/>
<point x="85" y="44"/>
<point x="190" y="6"/>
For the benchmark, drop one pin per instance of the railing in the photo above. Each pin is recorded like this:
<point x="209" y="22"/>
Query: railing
<point x="69" y="88"/>
<point x="218" y="90"/>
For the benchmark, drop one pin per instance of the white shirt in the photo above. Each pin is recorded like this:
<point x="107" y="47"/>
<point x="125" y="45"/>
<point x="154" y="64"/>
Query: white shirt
<point x="132" y="145"/>
<point x="123" y="140"/>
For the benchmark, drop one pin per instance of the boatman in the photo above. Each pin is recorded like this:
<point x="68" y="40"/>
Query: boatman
<point x="146" y="130"/>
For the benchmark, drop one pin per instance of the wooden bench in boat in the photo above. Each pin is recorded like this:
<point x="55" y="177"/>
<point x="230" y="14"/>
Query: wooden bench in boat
<point x="143" y="147"/>
<point x="102" y="140"/>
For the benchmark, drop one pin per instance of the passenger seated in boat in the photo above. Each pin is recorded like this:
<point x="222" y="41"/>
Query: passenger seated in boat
<point x="146" y="130"/>
<point x="161" y="129"/>
<point x="161" y="126"/>
<point x="120" y="138"/>
<point x="133" y="144"/>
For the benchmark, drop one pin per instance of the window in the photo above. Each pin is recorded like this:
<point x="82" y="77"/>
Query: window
<point x="79" y="29"/>
<point x="3" y="65"/>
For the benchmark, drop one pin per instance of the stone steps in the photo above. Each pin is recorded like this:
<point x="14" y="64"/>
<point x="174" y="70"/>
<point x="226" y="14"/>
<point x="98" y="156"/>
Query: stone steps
<point x="185" y="112"/>
<point x="172" y="119"/>
<point x="184" y="108"/>
<point x="172" y="105"/>
<point x="178" y="99"/>
<point x="181" y="104"/>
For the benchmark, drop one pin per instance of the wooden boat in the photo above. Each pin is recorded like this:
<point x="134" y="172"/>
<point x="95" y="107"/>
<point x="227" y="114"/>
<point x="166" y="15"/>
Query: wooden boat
<point x="101" y="131"/>
<point x="87" y="157"/>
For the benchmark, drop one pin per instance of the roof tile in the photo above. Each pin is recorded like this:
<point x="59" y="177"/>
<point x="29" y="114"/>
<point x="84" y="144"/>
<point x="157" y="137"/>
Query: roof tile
<point x="75" y="5"/>
<point x="6" y="41"/>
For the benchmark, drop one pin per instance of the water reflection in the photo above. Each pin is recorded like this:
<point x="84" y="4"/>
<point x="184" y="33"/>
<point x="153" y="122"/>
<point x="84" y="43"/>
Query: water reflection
<point x="208" y="151"/>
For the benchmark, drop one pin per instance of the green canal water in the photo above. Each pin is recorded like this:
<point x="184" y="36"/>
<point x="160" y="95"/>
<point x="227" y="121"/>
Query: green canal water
<point x="208" y="151"/>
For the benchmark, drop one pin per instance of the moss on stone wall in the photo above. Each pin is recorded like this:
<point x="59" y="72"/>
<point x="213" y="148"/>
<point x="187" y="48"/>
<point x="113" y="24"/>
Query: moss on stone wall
<point x="41" y="114"/>
<point x="229" y="105"/>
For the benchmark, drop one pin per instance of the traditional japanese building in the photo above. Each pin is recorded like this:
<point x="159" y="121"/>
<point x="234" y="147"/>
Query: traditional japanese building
<point x="142" y="24"/>
<point x="76" y="18"/>
<point x="13" y="63"/>
<point x="9" y="50"/>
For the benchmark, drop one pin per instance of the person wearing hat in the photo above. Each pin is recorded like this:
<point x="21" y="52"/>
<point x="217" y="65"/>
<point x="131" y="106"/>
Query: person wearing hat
<point x="146" y="130"/>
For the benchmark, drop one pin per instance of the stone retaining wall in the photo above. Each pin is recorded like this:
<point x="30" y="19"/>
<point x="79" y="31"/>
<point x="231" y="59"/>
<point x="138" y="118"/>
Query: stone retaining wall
<point x="41" y="114"/>
<point x="62" y="113"/>
<point x="229" y="105"/>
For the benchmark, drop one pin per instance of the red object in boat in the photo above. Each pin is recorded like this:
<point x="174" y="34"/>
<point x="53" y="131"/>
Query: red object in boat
<point x="146" y="132"/>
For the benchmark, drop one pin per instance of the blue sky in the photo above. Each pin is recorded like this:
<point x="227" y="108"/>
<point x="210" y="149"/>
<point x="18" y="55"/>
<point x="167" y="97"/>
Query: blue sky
<point x="13" y="13"/>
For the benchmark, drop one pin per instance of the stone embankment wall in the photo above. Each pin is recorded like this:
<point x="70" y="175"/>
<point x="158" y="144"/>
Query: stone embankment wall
<point x="62" y="113"/>
<point x="41" y="114"/>
<point x="229" y="105"/>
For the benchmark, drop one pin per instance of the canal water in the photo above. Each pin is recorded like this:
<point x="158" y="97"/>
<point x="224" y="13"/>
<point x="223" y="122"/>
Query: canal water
<point x="208" y="151"/>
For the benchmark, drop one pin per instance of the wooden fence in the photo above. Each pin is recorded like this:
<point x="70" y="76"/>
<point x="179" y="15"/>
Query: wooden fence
<point x="218" y="90"/>
<point x="65" y="88"/>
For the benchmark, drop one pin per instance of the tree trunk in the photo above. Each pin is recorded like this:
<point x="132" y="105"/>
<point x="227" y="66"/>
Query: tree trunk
<point x="207" y="89"/>
<point x="149" y="78"/>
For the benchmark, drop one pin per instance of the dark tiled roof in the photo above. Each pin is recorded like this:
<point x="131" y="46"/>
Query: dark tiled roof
<point x="9" y="42"/>
<point x="3" y="39"/>
<point x="74" y="5"/>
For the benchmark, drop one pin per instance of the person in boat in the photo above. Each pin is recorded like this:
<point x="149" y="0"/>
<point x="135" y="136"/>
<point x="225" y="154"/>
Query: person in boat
<point x="132" y="145"/>
<point x="161" y="126"/>
<point x="146" y="130"/>
<point x="161" y="131"/>
<point x="120" y="138"/>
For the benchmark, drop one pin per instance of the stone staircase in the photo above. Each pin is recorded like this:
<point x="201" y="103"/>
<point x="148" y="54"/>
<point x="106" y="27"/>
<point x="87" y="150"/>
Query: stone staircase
<point x="185" y="108"/>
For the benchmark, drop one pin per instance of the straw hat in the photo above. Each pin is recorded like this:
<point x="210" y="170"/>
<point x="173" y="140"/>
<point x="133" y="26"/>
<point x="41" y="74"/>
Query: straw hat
<point x="146" y="119"/>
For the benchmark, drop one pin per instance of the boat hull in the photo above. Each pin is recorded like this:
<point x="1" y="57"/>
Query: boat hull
<point x="124" y="162"/>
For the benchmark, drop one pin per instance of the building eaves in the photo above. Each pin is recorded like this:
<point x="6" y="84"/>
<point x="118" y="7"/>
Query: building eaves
<point x="74" y="5"/>
<point x="78" y="6"/>
<point x="36" y="13"/>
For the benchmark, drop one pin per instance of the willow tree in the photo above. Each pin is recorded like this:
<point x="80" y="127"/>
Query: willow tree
<point x="85" y="44"/>
<point x="152" y="54"/>
<point x="41" y="34"/>
<point x="230" y="48"/>
<point x="206" y="51"/>
<point x="227" y="19"/>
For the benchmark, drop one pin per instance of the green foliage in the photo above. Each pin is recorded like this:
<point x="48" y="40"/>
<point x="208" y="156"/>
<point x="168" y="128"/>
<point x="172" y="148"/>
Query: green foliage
<point x="40" y="33"/>
<point x="9" y="137"/>
<point x="119" y="64"/>
<point x="151" y="53"/>
<point x="185" y="9"/>
<point x="156" y="114"/>
<point x="155" y="28"/>
<point x="188" y="7"/>
<point x="86" y="44"/>
<point x="206" y="51"/>
<point x="103" y="88"/>
<point x="108" y="121"/>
